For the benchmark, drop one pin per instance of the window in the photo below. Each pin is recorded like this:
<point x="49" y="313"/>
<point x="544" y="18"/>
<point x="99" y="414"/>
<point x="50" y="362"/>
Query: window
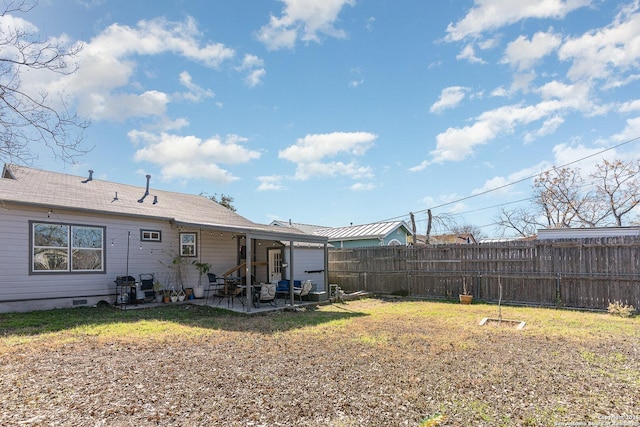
<point x="150" y="236"/>
<point x="66" y="248"/>
<point x="188" y="244"/>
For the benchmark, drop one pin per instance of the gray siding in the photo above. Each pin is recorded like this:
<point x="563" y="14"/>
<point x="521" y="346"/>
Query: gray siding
<point x="307" y="259"/>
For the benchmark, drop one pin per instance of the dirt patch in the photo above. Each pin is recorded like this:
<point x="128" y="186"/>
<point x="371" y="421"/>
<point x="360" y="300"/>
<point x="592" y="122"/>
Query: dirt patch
<point x="367" y="370"/>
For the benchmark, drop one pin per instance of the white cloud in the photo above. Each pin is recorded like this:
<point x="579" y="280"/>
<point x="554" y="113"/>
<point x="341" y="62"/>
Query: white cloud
<point x="489" y="15"/>
<point x="469" y="53"/>
<point x="523" y="53"/>
<point x="195" y="93"/>
<point x="630" y="131"/>
<point x="360" y="186"/>
<point x="306" y="20"/>
<point x="253" y="66"/>
<point x="191" y="157"/>
<point x="502" y="185"/>
<point x="270" y="183"/>
<point x="606" y="52"/>
<point x="450" y="97"/>
<point x="456" y="144"/>
<point x="311" y="152"/>
<point x="548" y="127"/>
<point x="108" y="106"/>
<point x="108" y="65"/>
<point x="567" y="154"/>
<point x="630" y="106"/>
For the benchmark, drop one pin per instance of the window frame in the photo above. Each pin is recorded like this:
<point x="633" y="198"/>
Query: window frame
<point x="193" y="244"/>
<point x="69" y="249"/>
<point x="150" y="238"/>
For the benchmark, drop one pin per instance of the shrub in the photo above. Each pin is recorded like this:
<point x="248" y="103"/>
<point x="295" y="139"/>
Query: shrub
<point x="617" y="308"/>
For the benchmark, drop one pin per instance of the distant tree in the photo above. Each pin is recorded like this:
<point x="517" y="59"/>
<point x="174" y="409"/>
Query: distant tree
<point x="522" y="221"/>
<point x="618" y="185"/>
<point x="226" y="201"/>
<point x="562" y="199"/>
<point x="27" y="117"/>
<point x="475" y="231"/>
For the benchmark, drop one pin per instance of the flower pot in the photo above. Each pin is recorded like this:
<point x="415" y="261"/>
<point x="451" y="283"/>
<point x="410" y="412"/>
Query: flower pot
<point x="466" y="299"/>
<point x="166" y="299"/>
<point x="174" y="298"/>
<point x="158" y="297"/>
<point x="198" y="291"/>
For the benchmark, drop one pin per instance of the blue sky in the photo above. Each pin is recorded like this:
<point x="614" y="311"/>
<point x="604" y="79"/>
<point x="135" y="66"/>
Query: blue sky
<point x="333" y="112"/>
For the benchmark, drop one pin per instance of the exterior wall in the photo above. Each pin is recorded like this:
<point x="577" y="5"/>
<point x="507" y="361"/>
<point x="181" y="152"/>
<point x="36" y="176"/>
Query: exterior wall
<point x="306" y="259"/>
<point x="348" y="244"/>
<point x="399" y="234"/>
<point x="21" y="291"/>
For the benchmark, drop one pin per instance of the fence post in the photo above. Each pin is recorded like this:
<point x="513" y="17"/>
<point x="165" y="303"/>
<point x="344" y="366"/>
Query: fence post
<point x="409" y="282"/>
<point x="477" y="287"/>
<point x="558" y="290"/>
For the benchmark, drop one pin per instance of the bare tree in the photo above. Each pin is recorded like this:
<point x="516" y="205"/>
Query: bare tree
<point x="28" y="117"/>
<point x="618" y="186"/>
<point x="557" y="192"/>
<point x="523" y="221"/>
<point x="562" y="199"/>
<point x="474" y="230"/>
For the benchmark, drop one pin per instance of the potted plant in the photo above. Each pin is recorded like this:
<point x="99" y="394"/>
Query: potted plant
<point x="157" y="290"/>
<point x="166" y="295"/>
<point x="174" y="295"/>
<point x="465" y="296"/>
<point x="203" y="268"/>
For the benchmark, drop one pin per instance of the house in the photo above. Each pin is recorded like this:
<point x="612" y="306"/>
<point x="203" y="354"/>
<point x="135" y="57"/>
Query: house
<point x="392" y="233"/>
<point x="65" y="240"/>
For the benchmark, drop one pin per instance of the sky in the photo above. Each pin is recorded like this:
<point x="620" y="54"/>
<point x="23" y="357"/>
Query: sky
<point x="332" y="112"/>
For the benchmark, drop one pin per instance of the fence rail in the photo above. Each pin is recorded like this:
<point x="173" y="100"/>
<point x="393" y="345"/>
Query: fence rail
<point x="586" y="273"/>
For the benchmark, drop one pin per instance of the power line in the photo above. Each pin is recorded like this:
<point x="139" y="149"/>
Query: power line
<point x="520" y="180"/>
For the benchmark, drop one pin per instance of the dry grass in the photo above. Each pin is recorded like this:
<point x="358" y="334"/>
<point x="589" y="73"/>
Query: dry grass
<point x="366" y="362"/>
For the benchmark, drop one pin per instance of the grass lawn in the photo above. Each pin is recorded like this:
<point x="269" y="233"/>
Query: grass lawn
<point x="369" y="362"/>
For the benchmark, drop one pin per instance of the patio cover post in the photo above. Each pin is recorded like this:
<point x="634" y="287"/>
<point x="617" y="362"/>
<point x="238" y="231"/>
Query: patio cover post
<point x="247" y="274"/>
<point x="325" y="286"/>
<point x="291" y="278"/>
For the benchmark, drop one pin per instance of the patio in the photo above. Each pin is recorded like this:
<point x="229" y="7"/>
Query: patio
<point x="236" y="306"/>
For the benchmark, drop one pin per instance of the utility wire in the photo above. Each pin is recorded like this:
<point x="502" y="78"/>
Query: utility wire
<point x="519" y="180"/>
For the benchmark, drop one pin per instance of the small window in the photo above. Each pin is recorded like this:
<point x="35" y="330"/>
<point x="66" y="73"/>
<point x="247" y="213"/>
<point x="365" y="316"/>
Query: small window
<point x="188" y="244"/>
<point x="150" y="236"/>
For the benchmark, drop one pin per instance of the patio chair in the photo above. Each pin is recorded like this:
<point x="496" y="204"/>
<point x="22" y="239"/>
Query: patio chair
<point x="215" y="288"/>
<point x="307" y="285"/>
<point x="267" y="293"/>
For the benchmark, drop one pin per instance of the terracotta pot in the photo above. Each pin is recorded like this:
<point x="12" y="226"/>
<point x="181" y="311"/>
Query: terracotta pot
<point x="466" y="299"/>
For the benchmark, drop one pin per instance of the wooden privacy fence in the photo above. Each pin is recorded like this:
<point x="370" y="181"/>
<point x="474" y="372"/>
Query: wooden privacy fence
<point x="579" y="273"/>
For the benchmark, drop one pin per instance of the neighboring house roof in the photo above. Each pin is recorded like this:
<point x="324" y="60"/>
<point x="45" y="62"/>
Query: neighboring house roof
<point x="447" y="239"/>
<point x="52" y="190"/>
<point x="454" y="238"/>
<point x="361" y="232"/>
